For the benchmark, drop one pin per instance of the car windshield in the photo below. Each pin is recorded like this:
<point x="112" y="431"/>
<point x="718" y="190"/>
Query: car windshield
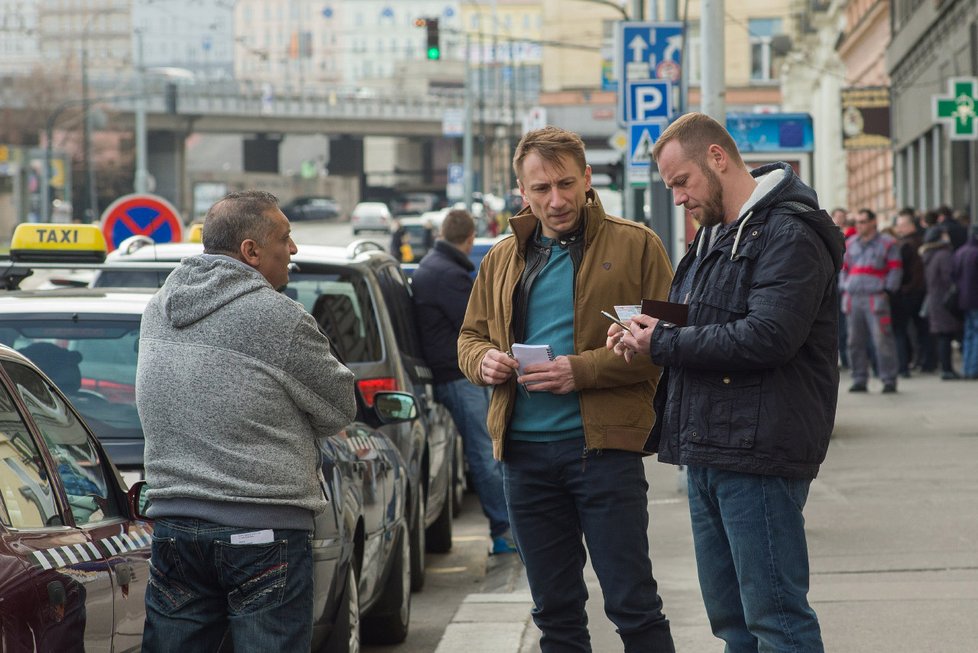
<point x="92" y="361"/>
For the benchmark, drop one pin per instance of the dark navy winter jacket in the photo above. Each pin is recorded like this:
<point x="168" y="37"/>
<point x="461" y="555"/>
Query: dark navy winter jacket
<point x="751" y="383"/>
<point x="442" y="285"/>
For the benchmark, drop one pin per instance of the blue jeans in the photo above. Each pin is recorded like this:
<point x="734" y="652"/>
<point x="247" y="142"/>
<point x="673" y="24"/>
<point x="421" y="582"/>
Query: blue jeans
<point x="970" y="344"/>
<point x="469" y="406"/>
<point x="555" y="498"/>
<point x="201" y="586"/>
<point x="752" y="560"/>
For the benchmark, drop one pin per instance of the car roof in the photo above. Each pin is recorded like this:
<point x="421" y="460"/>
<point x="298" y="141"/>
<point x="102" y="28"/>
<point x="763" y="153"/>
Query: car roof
<point x="118" y="301"/>
<point x="173" y="252"/>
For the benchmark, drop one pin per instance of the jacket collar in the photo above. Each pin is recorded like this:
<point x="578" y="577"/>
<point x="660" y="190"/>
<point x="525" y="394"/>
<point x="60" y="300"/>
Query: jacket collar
<point x="454" y="253"/>
<point x="525" y="225"/>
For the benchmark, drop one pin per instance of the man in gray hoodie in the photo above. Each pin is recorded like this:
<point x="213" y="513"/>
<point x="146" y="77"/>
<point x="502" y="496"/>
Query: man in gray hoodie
<point x="234" y="385"/>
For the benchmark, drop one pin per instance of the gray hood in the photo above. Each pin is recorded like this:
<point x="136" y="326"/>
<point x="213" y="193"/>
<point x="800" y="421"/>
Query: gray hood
<point x="204" y="284"/>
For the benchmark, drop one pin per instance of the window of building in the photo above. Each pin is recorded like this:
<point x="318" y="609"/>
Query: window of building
<point x="762" y="31"/>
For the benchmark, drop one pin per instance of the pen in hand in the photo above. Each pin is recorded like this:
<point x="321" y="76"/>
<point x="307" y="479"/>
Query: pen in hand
<point x="522" y="387"/>
<point x="615" y="320"/>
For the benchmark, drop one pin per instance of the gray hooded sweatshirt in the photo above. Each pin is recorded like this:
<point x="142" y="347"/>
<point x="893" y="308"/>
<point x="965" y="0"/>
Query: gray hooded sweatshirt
<point x="235" y="384"/>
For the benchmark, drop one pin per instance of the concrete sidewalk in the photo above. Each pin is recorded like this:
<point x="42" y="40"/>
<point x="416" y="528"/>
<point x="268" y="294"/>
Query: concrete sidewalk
<point x="893" y="536"/>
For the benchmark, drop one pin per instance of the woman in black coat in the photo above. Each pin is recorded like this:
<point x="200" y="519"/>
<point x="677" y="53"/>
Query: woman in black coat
<point x="937" y="254"/>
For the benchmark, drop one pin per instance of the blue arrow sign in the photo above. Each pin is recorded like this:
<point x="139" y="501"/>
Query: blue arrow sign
<point x="647" y="51"/>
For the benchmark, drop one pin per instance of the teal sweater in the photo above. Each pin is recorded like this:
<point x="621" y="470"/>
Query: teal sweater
<point x="546" y="417"/>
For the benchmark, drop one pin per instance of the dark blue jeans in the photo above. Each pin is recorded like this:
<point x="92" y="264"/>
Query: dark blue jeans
<point x="469" y="406"/>
<point x="752" y="560"/>
<point x="555" y="499"/>
<point x="201" y="586"/>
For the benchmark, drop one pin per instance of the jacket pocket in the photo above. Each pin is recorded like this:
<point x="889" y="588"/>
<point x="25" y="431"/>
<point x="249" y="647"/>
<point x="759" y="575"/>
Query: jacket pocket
<point x="724" y="409"/>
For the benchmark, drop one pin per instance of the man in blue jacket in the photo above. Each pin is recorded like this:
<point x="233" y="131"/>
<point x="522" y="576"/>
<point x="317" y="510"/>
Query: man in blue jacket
<point x="442" y="285"/>
<point x="747" y="399"/>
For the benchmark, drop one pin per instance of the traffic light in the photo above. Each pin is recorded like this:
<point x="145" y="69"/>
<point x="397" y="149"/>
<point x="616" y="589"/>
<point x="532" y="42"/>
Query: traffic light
<point x="170" y="97"/>
<point x="615" y="170"/>
<point x="434" y="46"/>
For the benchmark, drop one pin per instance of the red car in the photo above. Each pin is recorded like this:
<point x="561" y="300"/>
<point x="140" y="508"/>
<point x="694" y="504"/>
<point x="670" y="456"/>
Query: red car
<point x="74" y="561"/>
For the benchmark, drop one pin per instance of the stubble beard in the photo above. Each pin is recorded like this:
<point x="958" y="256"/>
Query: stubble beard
<point x="712" y="208"/>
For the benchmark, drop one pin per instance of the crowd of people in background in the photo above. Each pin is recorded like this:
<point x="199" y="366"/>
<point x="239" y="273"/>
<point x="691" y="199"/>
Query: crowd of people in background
<point x="909" y="288"/>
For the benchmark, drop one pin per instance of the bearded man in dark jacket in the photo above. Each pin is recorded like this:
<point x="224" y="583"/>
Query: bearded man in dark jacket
<point x="747" y="399"/>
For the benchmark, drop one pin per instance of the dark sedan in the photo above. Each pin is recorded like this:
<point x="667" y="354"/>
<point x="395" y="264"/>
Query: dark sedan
<point x="74" y="560"/>
<point x="312" y="208"/>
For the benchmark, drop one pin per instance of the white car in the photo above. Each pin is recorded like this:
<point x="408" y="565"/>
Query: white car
<point x="370" y="216"/>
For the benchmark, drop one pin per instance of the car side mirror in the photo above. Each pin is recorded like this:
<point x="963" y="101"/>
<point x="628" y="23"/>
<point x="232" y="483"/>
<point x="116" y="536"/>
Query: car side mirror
<point x="138" y="500"/>
<point x="394" y="407"/>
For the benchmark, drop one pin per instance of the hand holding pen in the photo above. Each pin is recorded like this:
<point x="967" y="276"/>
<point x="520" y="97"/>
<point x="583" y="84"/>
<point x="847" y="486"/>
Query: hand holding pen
<point x="632" y="338"/>
<point x="497" y="367"/>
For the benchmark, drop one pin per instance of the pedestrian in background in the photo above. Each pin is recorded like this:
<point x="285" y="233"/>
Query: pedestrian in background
<point x="937" y="253"/>
<point x="909" y="297"/>
<point x="442" y="285"/>
<point x="964" y="273"/>
<point x="871" y="273"/>
<point x="841" y="219"/>
<point x="749" y="388"/>
<point x="571" y="432"/>
<point x="234" y="385"/>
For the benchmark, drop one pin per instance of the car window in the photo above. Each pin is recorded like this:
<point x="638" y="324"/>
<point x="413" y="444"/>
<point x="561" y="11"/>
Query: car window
<point x="27" y="499"/>
<point x="79" y="465"/>
<point x="397" y="296"/>
<point x="92" y="361"/>
<point x="130" y="278"/>
<point x="341" y="304"/>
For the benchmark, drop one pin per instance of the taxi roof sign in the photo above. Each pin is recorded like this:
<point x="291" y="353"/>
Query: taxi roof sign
<point x="196" y="233"/>
<point x="80" y="243"/>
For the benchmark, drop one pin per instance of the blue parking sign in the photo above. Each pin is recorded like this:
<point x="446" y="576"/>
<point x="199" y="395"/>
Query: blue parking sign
<point x="646" y="51"/>
<point x="648" y="100"/>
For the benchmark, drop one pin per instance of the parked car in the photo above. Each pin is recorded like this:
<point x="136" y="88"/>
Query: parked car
<point x="370" y="216"/>
<point x="416" y="203"/>
<point x="312" y="208"/>
<point x="362" y="299"/>
<point x="74" y="558"/>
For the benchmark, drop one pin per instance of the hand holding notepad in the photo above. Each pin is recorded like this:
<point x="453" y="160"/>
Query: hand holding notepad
<point x="531" y="355"/>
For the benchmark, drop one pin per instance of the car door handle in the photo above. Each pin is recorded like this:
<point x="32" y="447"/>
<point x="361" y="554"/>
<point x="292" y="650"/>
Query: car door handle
<point x="56" y="593"/>
<point x="123" y="574"/>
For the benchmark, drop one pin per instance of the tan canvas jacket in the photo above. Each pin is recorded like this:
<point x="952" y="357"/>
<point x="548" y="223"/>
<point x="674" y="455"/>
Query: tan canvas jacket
<point x="623" y="263"/>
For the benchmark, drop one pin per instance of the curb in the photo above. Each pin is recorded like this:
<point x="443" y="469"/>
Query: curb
<point x="494" y="620"/>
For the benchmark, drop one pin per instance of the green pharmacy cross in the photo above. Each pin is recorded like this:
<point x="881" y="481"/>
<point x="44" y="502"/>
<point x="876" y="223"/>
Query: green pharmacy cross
<point x="958" y="108"/>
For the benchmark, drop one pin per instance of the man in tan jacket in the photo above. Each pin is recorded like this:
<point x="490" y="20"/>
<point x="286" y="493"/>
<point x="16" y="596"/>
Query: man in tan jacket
<point x="571" y="432"/>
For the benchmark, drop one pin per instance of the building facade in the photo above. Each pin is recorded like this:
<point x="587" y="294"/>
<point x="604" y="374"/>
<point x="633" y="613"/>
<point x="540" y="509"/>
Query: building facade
<point x="862" y="49"/>
<point x="933" y="42"/>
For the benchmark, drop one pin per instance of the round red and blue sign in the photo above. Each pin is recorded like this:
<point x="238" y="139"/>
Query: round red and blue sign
<point x="141" y="214"/>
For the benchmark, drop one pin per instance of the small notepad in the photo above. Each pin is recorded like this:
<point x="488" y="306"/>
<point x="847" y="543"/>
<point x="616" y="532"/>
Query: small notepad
<point x="531" y="354"/>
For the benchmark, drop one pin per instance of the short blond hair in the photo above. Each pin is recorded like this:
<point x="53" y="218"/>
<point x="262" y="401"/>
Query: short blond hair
<point x="695" y="133"/>
<point x="550" y="143"/>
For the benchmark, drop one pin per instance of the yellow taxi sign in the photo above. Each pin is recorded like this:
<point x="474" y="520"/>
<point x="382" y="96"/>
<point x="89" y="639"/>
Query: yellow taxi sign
<point x="196" y="233"/>
<point x="80" y="243"/>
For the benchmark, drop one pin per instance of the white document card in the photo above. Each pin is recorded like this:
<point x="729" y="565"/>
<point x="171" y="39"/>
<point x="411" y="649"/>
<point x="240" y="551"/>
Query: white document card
<point x="254" y="537"/>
